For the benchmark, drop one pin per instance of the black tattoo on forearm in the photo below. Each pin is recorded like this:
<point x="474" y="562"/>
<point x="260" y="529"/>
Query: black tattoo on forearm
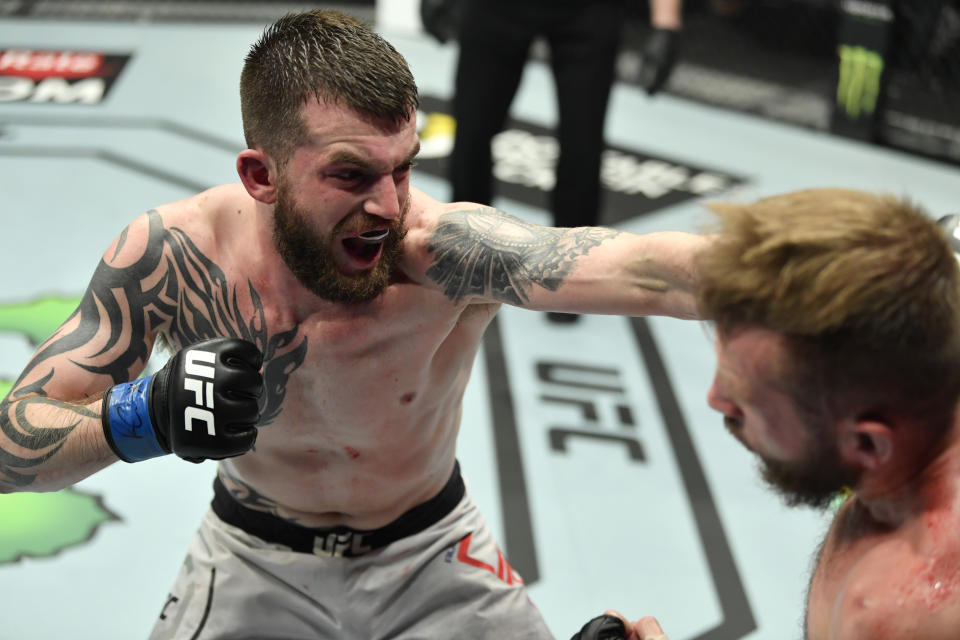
<point x="38" y="443"/>
<point x="486" y="252"/>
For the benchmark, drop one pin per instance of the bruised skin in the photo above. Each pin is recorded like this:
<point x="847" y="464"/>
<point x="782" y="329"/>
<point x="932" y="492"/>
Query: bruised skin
<point x="875" y="581"/>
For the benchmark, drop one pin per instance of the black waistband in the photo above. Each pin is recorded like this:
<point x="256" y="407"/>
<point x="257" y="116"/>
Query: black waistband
<point x="337" y="541"/>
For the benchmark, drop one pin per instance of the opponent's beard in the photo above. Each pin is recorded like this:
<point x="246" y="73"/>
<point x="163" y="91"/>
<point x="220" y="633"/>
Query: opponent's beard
<point x="309" y="257"/>
<point x="813" y="482"/>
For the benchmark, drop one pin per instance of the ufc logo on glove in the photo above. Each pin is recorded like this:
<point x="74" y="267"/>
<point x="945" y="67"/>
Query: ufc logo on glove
<point x="203" y="391"/>
<point x="156" y="415"/>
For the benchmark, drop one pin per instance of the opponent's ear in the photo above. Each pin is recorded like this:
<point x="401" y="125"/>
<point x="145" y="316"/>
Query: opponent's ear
<point x="867" y="443"/>
<point x="258" y="173"/>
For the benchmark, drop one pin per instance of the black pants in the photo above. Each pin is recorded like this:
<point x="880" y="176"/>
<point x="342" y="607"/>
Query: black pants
<point x="584" y="37"/>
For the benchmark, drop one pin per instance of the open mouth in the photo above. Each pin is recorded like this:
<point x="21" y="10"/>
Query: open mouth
<point x="367" y="246"/>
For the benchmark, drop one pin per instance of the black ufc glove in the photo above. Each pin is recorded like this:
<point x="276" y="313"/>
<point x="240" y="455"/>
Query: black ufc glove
<point x="441" y="18"/>
<point x="659" y="55"/>
<point x="605" y="627"/>
<point x="204" y="403"/>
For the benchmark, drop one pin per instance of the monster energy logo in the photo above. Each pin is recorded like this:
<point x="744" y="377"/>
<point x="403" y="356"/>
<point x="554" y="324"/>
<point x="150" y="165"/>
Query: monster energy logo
<point x="859" y="84"/>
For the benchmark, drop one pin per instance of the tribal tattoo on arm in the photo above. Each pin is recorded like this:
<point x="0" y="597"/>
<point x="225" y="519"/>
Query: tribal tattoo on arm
<point x="171" y="286"/>
<point x="487" y="252"/>
<point x="45" y="442"/>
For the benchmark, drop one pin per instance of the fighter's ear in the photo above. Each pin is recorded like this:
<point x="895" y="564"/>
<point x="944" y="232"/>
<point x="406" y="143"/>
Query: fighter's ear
<point x="867" y="443"/>
<point x="258" y="173"/>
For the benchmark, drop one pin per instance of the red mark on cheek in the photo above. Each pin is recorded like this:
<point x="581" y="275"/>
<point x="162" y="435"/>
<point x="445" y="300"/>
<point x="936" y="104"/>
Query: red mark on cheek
<point x="312" y="451"/>
<point x="407" y="398"/>
<point x="353" y="453"/>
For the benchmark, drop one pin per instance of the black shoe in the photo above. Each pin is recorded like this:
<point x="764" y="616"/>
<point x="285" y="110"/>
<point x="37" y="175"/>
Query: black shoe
<point x="562" y="318"/>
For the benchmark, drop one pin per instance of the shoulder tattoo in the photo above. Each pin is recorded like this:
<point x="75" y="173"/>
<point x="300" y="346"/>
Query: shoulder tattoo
<point x="173" y="285"/>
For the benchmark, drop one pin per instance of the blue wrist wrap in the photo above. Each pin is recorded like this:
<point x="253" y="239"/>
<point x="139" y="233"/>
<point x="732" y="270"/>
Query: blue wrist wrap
<point x="126" y="422"/>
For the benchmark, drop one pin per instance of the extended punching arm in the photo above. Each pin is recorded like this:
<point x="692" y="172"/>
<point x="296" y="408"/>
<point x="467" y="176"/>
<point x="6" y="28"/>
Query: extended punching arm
<point x="203" y="404"/>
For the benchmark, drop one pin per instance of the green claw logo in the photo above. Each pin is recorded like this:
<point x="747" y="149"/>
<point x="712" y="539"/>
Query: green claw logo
<point x="43" y="524"/>
<point x="39" y="525"/>
<point x="859" y="85"/>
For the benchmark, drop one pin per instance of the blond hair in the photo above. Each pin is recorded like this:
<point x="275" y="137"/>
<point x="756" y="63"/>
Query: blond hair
<point x="865" y="288"/>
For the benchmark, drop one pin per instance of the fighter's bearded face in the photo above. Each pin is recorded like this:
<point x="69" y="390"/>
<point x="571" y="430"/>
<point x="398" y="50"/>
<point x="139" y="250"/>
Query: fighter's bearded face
<point x="309" y="253"/>
<point x="813" y="481"/>
<point x="798" y="451"/>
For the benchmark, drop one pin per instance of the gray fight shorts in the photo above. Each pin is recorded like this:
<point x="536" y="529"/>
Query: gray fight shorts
<point x="444" y="578"/>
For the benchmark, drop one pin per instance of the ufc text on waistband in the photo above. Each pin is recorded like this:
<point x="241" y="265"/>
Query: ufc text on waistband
<point x="337" y="541"/>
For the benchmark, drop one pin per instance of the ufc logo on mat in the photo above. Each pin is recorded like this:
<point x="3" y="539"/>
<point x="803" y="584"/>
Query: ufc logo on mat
<point x="202" y="391"/>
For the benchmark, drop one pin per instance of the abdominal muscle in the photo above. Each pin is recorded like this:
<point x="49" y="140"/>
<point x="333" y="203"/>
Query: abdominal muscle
<point x="368" y="425"/>
<point x="354" y="480"/>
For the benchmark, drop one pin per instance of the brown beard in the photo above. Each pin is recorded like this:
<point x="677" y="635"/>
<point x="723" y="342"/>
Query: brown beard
<point x="309" y="257"/>
<point x="812" y="482"/>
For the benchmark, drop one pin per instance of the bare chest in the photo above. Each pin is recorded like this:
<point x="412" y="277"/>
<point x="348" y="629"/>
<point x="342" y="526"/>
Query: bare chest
<point x="882" y="587"/>
<point x="364" y="370"/>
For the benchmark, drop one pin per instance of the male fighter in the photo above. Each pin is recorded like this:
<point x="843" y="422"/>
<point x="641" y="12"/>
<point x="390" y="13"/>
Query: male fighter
<point x="339" y="510"/>
<point x="838" y="364"/>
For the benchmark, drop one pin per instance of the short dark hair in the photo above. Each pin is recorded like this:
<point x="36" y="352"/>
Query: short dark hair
<point x="327" y="55"/>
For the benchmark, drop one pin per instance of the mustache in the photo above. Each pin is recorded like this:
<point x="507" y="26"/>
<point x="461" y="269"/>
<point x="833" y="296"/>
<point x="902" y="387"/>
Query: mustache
<point x="364" y="222"/>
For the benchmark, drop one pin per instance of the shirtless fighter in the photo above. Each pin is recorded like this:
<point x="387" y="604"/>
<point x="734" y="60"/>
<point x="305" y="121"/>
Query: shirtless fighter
<point x="838" y="365"/>
<point x="361" y="302"/>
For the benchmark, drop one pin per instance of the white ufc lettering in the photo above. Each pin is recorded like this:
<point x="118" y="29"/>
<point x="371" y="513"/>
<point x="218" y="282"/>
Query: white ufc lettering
<point x="203" y="415"/>
<point x="202" y="391"/>
<point x="197" y="355"/>
<point x="198" y="387"/>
